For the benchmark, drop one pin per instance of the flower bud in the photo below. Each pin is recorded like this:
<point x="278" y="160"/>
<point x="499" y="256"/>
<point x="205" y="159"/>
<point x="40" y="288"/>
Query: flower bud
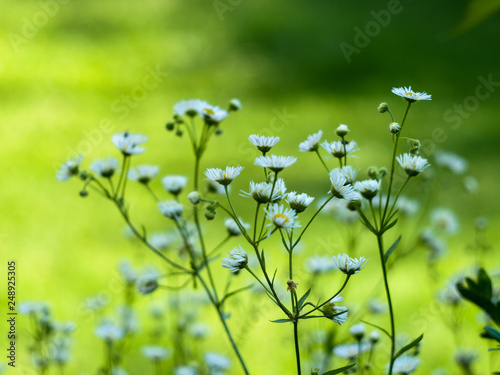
<point x="178" y="133"/>
<point x="84" y="175"/>
<point x="219" y="131"/>
<point x="394" y="127"/>
<point x="372" y="173"/>
<point x="194" y="197"/>
<point x="84" y="193"/>
<point x="170" y="126"/>
<point x="342" y="130"/>
<point x="382" y="172"/>
<point x="374" y="337"/>
<point x="235" y="104"/>
<point x="209" y="214"/>
<point x="383" y="107"/>
<point x="414" y="146"/>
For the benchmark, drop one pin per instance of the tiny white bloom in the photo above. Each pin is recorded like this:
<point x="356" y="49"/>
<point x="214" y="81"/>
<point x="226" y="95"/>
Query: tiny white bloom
<point x="263" y="143"/>
<point x="298" y="202"/>
<point x="174" y="183"/>
<point x="147" y="283"/>
<point x="199" y="330"/>
<point x="350" y="351"/>
<point x="104" y="167"/>
<point x="311" y="143"/>
<point x="368" y="188"/>
<point x="129" y="144"/>
<point x="339" y="149"/>
<point x="282" y="217"/>
<point x="232" y="228"/>
<point x="69" y="169"/>
<point x="214" y="115"/>
<point x="340" y="187"/>
<point x="109" y="332"/>
<point x="216" y="361"/>
<point x="320" y="264"/>
<point x="453" y="162"/>
<point x="444" y="220"/>
<point x="236" y="260"/>
<point x="412" y="164"/>
<point x="410" y="95"/>
<point x="191" y="107"/>
<point x="374" y="336"/>
<point x="216" y="188"/>
<point x="171" y="209"/>
<point x="349" y="173"/>
<point x="358" y="331"/>
<point x="407" y="206"/>
<point x="143" y="173"/>
<point x="185" y="370"/>
<point x="32" y="308"/>
<point x="405" y="365"/>
<point x="394" y="127"/>
<point x="261" y="192"/>
<point x="349" y="265"/>
<point x="471" y="184"/>
<point x="235" y="104"/>
<point x="160" y="241"/>
<point x="275" y="163"/>
<point x="342" y="130"/>
<point x="155" y="353"/>
<point x="223" y="177"/>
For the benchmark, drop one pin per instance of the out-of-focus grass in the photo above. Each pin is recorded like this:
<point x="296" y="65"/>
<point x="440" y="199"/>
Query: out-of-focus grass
<point x="60" y="85"/>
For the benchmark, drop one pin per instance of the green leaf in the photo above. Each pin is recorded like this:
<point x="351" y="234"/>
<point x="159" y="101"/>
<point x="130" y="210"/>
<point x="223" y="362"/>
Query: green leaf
<point x="378" y="327"/>
<point x="303" y="298"/>
<point x="390" y="225"/>
<point x="493" y="333"/>
<point x="274" y="276"/>
<point x="281" y="321"/>
<point x="263" y="259"/>
<point x="230" y="294"/>
<point x="391" y="249"/>
<point x="412" y="344"/>
<point x="339" y="370"/>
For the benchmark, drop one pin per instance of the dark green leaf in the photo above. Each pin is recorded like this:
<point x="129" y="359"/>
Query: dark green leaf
<point x="390" y="225"/>
<point x="378" y="327"/>
<point x="412" y="344"/>
<point x="312" y="316"/>
<point x="339" y="370"/>
<point x="493" y="333"/>
<point x="237" y="291"/>
<point x="303" y="298"/>
<point x="391" y="249"/>
<point x="263" y="260"/>
<point x="272" y="281"/>
<point x="281" y="321"/>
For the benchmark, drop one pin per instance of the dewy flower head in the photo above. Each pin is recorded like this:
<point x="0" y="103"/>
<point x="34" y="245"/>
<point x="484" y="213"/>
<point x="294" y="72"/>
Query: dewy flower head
<point x="143" y="173"/>
<point x="171" y="209"/>
<point x="405" y="365"/>
<point x="191" y="107"/>
<point x="311" y="143"/>
<point x="275" y="163"/>
<point x="368" y="188"/>
<point x="174" y="183"/>
<point x="223" y="177"/>
<point x="412" y="164"/>
<point x="349" y="265"/>
<point x="339" y="149"/>
<point x="263" y="143"/>
<point x="129" y="144"/>
<point x="69" y="169"/>
<point x="281" y="217"/>
<point x="104" y="167"/>
<point x="409" y="95"/>
<point x="299" y="202"/>
<point x="236" y="260"/>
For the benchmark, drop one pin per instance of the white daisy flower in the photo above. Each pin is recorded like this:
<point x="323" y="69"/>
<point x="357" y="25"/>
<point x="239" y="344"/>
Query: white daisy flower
<point x="298" y="202"/>
<point x="374" y="337"/>
<point x="263" y="143"/>
<point x="171" y="209"/>
<point x="350" y="351"/>
<point x="185" y="370"/>
<point x="405" y="365"/>
<point x="235" y="104"/>
<point x="236" y="260"/>
<point x="69" y="169"/>
<point x="160" y="241"/>
<point x="349" y="173"/>
<point x="409" y="95"/>
<point x="275" y="163"/>
<point x="199" y="330"/>
<point x="261" y="192"/>
<point x="232" y="228"/>
<point x="318" y="264"/>
<point x="214" y="115"/>
<point x="394" y="127"/>
<point x="32" y="308"/>
<point x="406" y="206"/>
<point x="471" y="184"/>
<point x="155" y="353"/>
<point x="340" y="187"/>
<point x="338" y="314"/>
<point x="148" y="282"/>
<point x="342" y="130"/>
<point x="340" y="149"/>
<point x="191" y="107"/>
<point x="453" y="162"/>
<point x="311" y="143"/>
<point x="216" y="361"/>
<point x="129" y="144"/>
<point x="412" y="164"/>
<point x="143" y="173"/>
<point x="445" y="220"/>
<point x="368" y="188"/>
<point x="349" y="265"/>
<point x="223" y="177"/>
<point x="104" y="167"/>
<point x="282" y="217"/>
<point x="215" y="188"/>
<point x="376" y="306"/>
<point x="109" y="332"/>
<point x="174" y="183"/>
<point x="357" y="331"/>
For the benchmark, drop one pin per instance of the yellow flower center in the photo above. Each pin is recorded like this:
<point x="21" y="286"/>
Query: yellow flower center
<point x="282" y="216"/>
<point x="209" y="111"/>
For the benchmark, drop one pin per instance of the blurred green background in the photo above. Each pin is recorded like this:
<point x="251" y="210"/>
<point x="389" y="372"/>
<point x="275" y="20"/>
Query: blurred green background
<point x="72" y="73"/>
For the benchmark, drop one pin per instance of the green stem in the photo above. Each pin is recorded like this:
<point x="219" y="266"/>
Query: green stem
<point x="311" y="220"/>
<point x="322" y="161"/>
<point x="389" y="302"/>
<point x="328" y="300"/>
<point x="233" y="343"/>
<point x="297" y="351"/>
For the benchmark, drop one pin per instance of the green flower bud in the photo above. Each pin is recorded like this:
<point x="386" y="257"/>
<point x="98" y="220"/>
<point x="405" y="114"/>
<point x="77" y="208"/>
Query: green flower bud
<point x="383" y="107"/>
<point x="170" y="126"/>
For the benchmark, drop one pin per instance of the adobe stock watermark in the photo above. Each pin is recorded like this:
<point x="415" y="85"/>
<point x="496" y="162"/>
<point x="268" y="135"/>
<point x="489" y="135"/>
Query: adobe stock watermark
<point x="458" y="112"/>
<point x="122" y="107"/>
<point x="32" y="25"/>
<point x="224" y="6"/>
<point x="363" y="37"/>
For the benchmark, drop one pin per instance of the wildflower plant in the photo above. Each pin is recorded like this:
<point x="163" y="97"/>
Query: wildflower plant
<point x="285" y="215"/>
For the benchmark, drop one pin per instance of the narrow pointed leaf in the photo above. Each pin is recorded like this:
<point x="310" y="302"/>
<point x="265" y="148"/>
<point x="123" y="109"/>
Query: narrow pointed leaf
<point x="493" y="333"/>
<point x="412" y="344"/>
<point x="339" y="370"/>
<point x="378" y="327"/>
<point x="281" y="321"/>
<point x="391" y="249"/>
<point x="303" y="298"/>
